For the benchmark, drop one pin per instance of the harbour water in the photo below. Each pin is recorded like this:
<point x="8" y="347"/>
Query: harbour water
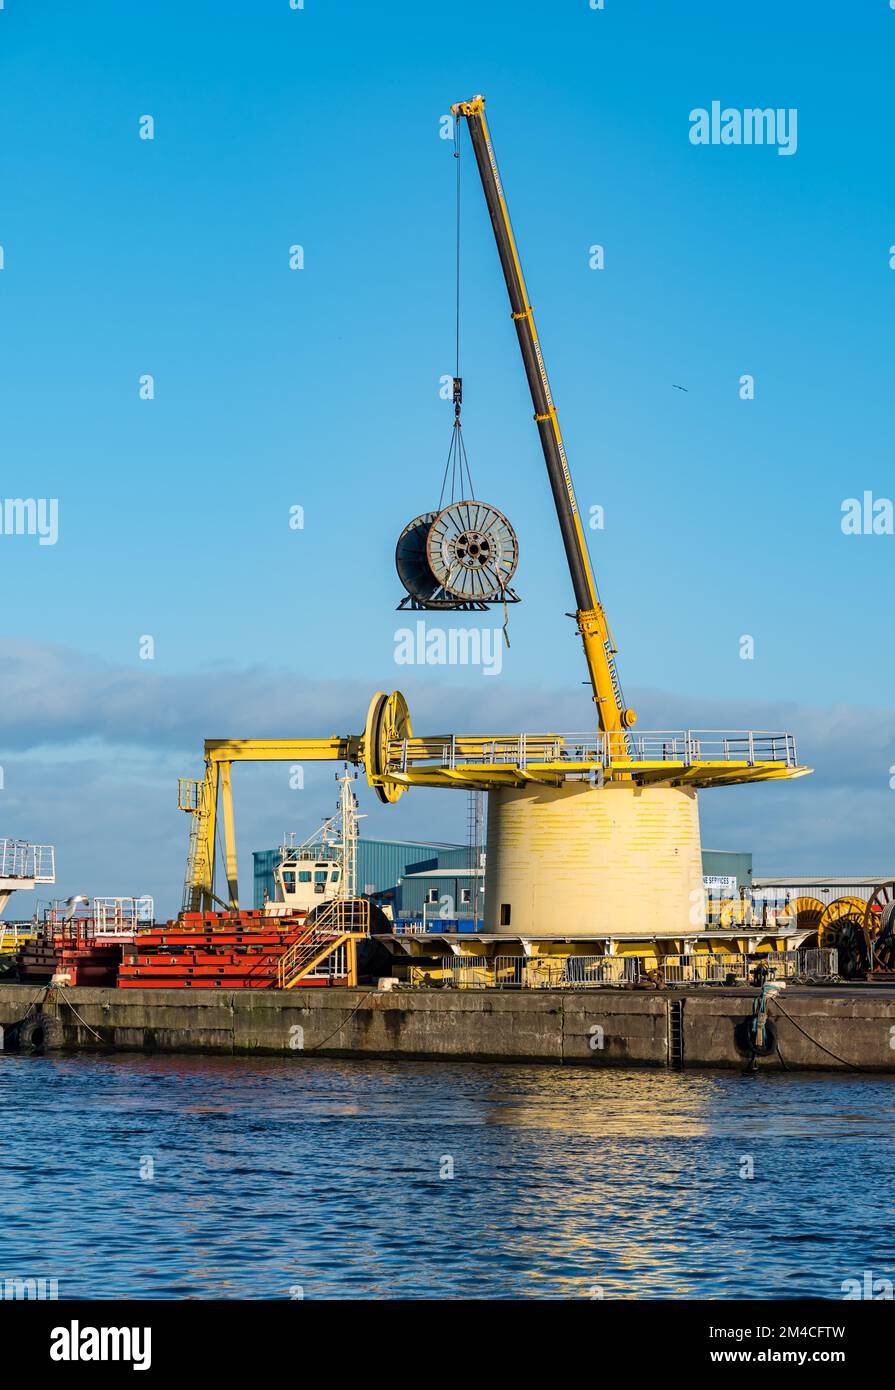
<point x="178" y="1177"/>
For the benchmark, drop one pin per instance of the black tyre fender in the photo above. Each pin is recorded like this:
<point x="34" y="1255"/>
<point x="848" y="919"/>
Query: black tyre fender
<point x="34" y="1033"/>
<point x="745" y="1040"/>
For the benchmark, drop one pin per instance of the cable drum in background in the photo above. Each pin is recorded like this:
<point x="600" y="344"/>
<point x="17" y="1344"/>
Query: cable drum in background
<point x="462" y="557"/>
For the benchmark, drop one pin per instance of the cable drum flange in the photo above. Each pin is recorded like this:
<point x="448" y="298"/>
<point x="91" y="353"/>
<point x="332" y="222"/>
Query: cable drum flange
<point x="412" y="563"/>
<point x="472" y="550"/>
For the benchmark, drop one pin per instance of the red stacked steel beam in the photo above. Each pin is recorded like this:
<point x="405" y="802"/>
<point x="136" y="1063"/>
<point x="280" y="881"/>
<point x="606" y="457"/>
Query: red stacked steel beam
<point x="211" y="950"/>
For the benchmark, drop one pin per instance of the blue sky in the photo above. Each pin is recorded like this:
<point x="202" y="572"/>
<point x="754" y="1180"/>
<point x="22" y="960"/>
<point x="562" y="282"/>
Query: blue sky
<point x="319" y="388"/>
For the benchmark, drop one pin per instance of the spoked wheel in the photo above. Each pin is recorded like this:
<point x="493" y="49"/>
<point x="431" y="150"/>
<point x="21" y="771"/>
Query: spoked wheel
<point x="853" y="948"/>
<point x="879" y="924"/>
<point x="842" y="926"/>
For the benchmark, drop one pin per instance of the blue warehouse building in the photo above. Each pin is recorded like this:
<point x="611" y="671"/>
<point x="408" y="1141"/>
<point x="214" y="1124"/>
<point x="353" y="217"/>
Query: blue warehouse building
<point x="380" y="864"/>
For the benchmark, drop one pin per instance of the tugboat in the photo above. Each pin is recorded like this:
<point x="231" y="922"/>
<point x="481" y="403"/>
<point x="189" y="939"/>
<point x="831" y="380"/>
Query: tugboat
<point x="322" y="867"/>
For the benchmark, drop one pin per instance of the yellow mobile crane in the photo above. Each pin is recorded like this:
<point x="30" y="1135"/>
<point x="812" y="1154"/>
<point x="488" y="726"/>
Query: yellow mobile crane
<point x="606" y="821"/>
<point x="599" y="648"/>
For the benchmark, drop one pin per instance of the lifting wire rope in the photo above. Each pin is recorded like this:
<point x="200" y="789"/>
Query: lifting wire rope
<point x="463" y="555"/>
<point x="457" y="461"/>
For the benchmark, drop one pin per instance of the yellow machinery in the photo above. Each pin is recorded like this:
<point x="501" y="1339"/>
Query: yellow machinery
<point x="592" y="835"/>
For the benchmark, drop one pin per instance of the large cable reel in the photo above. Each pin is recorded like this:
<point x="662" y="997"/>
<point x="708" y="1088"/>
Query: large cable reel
<point x="388" y="719"/>
<point x="804" y="915"/>
<point x="463" y="556"/>
<point x="472" y="550"/>
<point x="842" y="926"/>
<point x="879" y="924"/>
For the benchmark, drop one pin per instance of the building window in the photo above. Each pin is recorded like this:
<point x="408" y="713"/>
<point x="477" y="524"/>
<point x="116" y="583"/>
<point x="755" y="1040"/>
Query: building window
<point x="504" y="914"/>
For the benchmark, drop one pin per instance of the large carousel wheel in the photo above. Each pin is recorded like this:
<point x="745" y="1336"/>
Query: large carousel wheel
<point x="388" y="719"/>
<point x="842" y="926"/>
<point x="879" y="924"/>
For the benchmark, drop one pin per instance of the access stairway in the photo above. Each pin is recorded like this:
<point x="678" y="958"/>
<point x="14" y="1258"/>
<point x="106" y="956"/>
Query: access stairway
<point x="340" y="923"/>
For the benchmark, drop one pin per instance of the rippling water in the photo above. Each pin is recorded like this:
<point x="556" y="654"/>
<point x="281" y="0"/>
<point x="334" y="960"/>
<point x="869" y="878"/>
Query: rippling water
<point x="274" y="1177"/>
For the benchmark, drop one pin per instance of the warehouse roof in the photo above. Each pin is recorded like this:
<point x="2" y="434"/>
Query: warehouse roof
<point x="443" y="873"/>
<point x="810" y="881"/>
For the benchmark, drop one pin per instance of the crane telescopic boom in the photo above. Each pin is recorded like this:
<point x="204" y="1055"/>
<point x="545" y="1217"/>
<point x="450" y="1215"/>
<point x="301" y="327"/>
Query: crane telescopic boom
<point x="599" y="649"/>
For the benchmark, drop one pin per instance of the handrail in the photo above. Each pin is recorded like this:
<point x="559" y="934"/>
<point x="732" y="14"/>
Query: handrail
<point x="338" y="920"/>
<point x="684" y="746"/>
<point x="21" y="859"/>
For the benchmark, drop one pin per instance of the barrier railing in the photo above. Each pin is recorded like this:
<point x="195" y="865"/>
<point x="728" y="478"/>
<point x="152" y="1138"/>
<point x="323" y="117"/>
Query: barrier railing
<point x="817" y="964"/>
<point x="15" y="934"/>
<point x="121" y="917"/>
<point x="19" y="859"/>
<point x="705" y="969"/>
<point x="685" y="746"/>
<point x="541" y="972"/>
<point x="587" y="972"/>
<point x="736" y="967"/>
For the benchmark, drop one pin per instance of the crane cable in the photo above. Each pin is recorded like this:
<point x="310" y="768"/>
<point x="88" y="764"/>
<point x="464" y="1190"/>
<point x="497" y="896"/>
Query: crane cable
<point x="457" y="461"/>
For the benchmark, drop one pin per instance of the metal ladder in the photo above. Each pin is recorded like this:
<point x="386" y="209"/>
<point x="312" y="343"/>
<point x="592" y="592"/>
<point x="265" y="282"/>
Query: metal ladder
<point x="191" y="797"/>
<point x="676" y="1033"/>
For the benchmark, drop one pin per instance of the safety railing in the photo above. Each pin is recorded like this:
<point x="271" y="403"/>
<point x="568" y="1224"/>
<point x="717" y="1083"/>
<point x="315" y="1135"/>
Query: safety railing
<point x="97" y="919"/>
<point x="316" y="943"/>
<point x="20" y="859"/>
<point x="721" y="968"/>
<point x="470" y="972"/>
<point x="583" y="972"/>
<point x="684" y="746"/>
<point x="540" y="972"/>
<point x="122" y="917"/>
<point x="716" y="969"/>
<point x="16" y="934"/>
<point x="817" y="964"/>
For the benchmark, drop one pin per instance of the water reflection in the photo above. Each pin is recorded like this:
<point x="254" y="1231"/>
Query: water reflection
<point x="329" y="1176"/>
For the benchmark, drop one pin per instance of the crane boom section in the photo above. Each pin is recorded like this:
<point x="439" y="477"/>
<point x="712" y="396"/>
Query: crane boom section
<point x="599" y="649"/>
